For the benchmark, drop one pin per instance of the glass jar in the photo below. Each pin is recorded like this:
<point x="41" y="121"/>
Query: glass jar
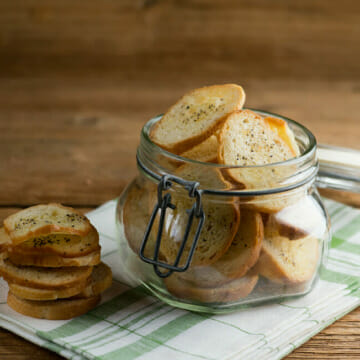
<point x="201" y="241"/>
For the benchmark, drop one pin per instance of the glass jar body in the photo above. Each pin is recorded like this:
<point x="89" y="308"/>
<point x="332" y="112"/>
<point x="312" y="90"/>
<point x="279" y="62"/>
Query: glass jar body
<point x="254" y="246"/>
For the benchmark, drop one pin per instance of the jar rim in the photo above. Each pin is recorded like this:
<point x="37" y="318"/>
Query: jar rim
<point x="305" y="155"/>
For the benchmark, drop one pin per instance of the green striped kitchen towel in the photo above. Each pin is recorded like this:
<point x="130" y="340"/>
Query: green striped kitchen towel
<point x="130" y="324"/>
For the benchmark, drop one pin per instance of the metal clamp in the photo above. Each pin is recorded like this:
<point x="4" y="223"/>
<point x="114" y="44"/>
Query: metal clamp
<point x="163" y="203"/>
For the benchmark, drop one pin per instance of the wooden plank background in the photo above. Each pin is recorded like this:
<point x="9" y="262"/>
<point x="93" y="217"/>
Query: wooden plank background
<point x="78" y="79"/>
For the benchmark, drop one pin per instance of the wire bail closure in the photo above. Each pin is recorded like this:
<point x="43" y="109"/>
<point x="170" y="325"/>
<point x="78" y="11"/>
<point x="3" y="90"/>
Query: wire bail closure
<point x="163" y="203"/>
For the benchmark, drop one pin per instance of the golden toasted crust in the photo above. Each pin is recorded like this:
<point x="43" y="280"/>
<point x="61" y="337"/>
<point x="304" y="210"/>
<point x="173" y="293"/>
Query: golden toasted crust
<point x="242" y="254"/>
<point x="54" y="309"/>
<point x="65" y="245"/>
<point x="219" y="229"/>
<point x="136" y="216"/>
<point x="43" y="220"/>
<point x="229" y="292"/>
<point x="277" y="227"/>
<point x="5" y="240"/>
<point x="196" y="116"/>
<point x="43" y="278"/>
<point x="246" y="140"/>
<point x="221" y="219"/>
<point x="99" y="281"/>
<point x="272" y="204"/>
<point x="288" y="261"/>
<point x="30" y="293"/>
<point x="49" y="260"/>
<point x="281" y="128"/>
<point x="206" y="151"/>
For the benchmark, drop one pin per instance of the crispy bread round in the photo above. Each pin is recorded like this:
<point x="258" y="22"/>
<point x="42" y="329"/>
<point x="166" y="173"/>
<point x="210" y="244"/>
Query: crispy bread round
<point x="65" y="245"/>
<point x="53" y="309"/>
<point x="31" y="293"/>
<point x="136" y="216"/>
<point x="229" y="292"/>
<point x="196" y="116"/>
<point x="43" y="278"/>
<point x="99" y="281"/>
<point x="5" y="240"/>
<point x="206" y="151"/>
<point x="221" y="219"/>
<point x="242" y="254"/>
<point x="247" y="140"/>
<point x="50" y="260"/>
<point x="43" y="220"/>
<point x="219" y="229"/>
<point x="304" y="217"/>
<point x="288" y="261"/>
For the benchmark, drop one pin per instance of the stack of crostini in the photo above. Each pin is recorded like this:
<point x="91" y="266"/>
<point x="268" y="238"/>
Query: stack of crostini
<point x="242" y="239"/>
<point x="50" y="257"/>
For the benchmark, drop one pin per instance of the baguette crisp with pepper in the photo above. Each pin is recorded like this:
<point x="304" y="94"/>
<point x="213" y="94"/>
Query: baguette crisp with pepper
<point x="50" y="256"/>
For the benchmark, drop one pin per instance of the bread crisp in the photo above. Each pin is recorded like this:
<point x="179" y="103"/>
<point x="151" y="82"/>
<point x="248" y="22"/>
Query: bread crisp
<point x="43" y="278"/>
<point x="136" y="216"/>
<point x="242" y="254"/>
<point x="304" y="217"/>
<point x="206" y="151"/>
<point x="281" y="128"/>
<point x="229" y="292"/>
<point x="196" y="116"/>
<point x="221" y="219"/>
<point x="246" y="140"/>
<point x="50" y="260"/>
<point x="43" y="220"/>
<point x="5" y="240"/>
<point x="100" y="280"/>
<point x="288" y="261"/>
<point x="53" y="309"/>
<point x="31" y="293"/>
<point x="65" y="245"/>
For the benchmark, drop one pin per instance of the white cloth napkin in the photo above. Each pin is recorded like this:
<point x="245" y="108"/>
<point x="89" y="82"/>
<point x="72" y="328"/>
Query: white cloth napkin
<point x="129" y="324"/>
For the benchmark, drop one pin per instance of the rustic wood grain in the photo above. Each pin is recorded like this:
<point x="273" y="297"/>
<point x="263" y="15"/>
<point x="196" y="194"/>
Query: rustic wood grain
<point x="79" y="79"/>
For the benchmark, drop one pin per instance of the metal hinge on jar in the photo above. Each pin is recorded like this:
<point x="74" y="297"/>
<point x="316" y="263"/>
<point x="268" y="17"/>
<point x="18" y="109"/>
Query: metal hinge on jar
<point x="163" y="203"/>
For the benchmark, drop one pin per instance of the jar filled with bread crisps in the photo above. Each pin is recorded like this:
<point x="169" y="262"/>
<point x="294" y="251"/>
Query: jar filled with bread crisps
<point x="204" y="229"/>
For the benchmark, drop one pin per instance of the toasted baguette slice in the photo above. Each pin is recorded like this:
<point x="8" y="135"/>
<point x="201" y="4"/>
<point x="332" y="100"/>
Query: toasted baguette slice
<point x="221" y="219"/>
<point x="242" y="254"/>
<point x="99" y="281"/>
<point x="196" y="116"/>
<point x="65" y="245"/>
<point x="5" y="240"/>
<point x="206" y="151"/>
<point x="229" y="292"/>
<point x="288" y="261"/>
<point x="50" y="260"/>
<point x="44" y="220"/>
<point x="304" y="217"/>
<point x="31" y="293"/>
<point x="217" y="234"/>
<point x="274" y="203"/>
<point x="247" y="140"/>
<point x="43" y="278"/>
<point x="281" y="128"/>
<point x="54" y="309"/>
<point x="136" y="216"/>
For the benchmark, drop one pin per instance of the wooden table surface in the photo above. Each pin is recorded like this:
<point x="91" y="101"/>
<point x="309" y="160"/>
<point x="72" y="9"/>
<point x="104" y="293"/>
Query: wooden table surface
<point x="79" y="79"/>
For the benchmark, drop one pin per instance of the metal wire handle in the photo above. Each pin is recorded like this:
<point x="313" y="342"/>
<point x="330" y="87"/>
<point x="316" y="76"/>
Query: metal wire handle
<point x="163" y="203"/>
